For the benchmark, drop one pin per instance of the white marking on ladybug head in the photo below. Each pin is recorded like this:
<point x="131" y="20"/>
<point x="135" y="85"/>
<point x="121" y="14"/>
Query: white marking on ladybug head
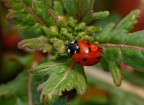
<point x="69" y="50"/>
<point x="72" y="42"/>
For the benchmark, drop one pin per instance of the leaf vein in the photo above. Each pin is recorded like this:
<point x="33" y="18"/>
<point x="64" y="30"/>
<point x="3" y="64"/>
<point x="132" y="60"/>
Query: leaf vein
<point x="38" y="19"/>
<point x="122" y="46"/>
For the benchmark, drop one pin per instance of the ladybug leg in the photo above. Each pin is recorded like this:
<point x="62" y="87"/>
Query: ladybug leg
<point x="99" y="58"/>
<point x="78" y="50"/>
<point x="100" y="49"/>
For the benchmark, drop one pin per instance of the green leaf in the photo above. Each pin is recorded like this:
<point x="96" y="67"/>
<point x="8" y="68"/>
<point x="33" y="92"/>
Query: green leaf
<point x="86" y="6"/>
<point x="39" y="44"/>
<point x="47" y="68"/>
<point x="93" y="16"/>
<point x="134" y="58"/>
<point x="63" y="76"/>
<point x="29" y="16"/>
<point x="80" y="9"/>
<point x="105" y="31"/>
<point x="58" y="7"/>
<point x="15" y="91"/>
<point x="61" y="101"/>
<point x="127" y="23"/>
<point x="134" y="77"/>
<point x="100" y="15"/>
<point x="85" y="9"/>
<point x="112" y="56"/>
<point x="132" y="39"/>
<point x="71" y="7"/>
<point x="126" y="99"/>
<point x="14" y="86"/>
<point x="7" y="101"/>
<point x="121" y="29"/>
<point x="130" y="45"/>
<point x="116" y="73"/>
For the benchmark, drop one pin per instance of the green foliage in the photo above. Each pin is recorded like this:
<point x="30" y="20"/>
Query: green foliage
<point x="121" y="46"/>
<point x="117" y="96"/>
<point x="83" y="10"/>
<point x="39" y="44"/>
<point x="57" y="37"/>
<point x="18" y="88"/>
<point x="64" y="75"/>
<point x="29" y="16"/>
<point x="61" y="101"/>
<point x="113" y="64"/>
<point x="58" y="8"/>
<point x="33" y="19"/>
<point x="100" y="15"/>
<point x="55" y="29"/>
<point x="127" y="23"/>
<point x="71" y="7"/>
<point x="134" y="77"/>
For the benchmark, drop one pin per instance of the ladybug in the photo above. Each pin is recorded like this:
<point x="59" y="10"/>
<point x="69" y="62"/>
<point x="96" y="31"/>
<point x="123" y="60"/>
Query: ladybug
<point x="84" y="52"/>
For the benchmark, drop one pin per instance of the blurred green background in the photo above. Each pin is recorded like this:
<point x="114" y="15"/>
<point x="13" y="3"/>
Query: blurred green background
<point x="100" y="92"/>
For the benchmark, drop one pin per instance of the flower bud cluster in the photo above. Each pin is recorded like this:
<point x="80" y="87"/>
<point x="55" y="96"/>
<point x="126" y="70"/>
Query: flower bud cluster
<point x="68" y="29"/>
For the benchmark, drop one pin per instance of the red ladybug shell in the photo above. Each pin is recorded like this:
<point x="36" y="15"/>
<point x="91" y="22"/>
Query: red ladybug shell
<point x="88" y="55"/>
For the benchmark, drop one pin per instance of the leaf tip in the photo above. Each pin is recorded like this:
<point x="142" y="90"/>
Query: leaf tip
<point x="118" y="81"/>
<point x="21" y="45"/>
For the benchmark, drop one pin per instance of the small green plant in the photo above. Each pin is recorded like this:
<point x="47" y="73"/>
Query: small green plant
<point x="48" y="25"/>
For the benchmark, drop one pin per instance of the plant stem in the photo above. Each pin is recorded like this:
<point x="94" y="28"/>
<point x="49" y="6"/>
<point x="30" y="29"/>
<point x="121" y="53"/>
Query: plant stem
<point x="53" y="14"/>
<point x="122" y="46"/>
<point x="38" y="19"/>
<point x="30" y="89"/>
<point x="30" y="78"/>
<point x="79" y="10"/>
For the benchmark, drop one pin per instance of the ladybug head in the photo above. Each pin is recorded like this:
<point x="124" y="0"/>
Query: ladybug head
<point x="72" y="48"/>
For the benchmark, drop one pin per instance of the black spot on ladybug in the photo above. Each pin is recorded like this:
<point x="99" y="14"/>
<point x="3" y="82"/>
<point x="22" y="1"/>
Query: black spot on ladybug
<point x="89" y="49"/>
<point x="88" y="43"/>
<point x="99" y="58"/>
<point x="84" y="59"/>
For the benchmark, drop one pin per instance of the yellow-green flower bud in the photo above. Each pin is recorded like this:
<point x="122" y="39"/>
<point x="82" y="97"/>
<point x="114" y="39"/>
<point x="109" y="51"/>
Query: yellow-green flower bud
<point x="80" y="26"/>
<point x="69" y="36"/>
<point x="61" y="20"/>
<point x="57" y="43"/>
<point x="47" y="48"/>
<point x="54" y="30"/>
<point x="90" y="30"/>
<point x="81" y="34"/>
<point x="72" y="22"/>
<point x="63" y="31"/>
<point x="62" y="50"/>
<point x="86" y="37"/>
<point x="59" y="46"/>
